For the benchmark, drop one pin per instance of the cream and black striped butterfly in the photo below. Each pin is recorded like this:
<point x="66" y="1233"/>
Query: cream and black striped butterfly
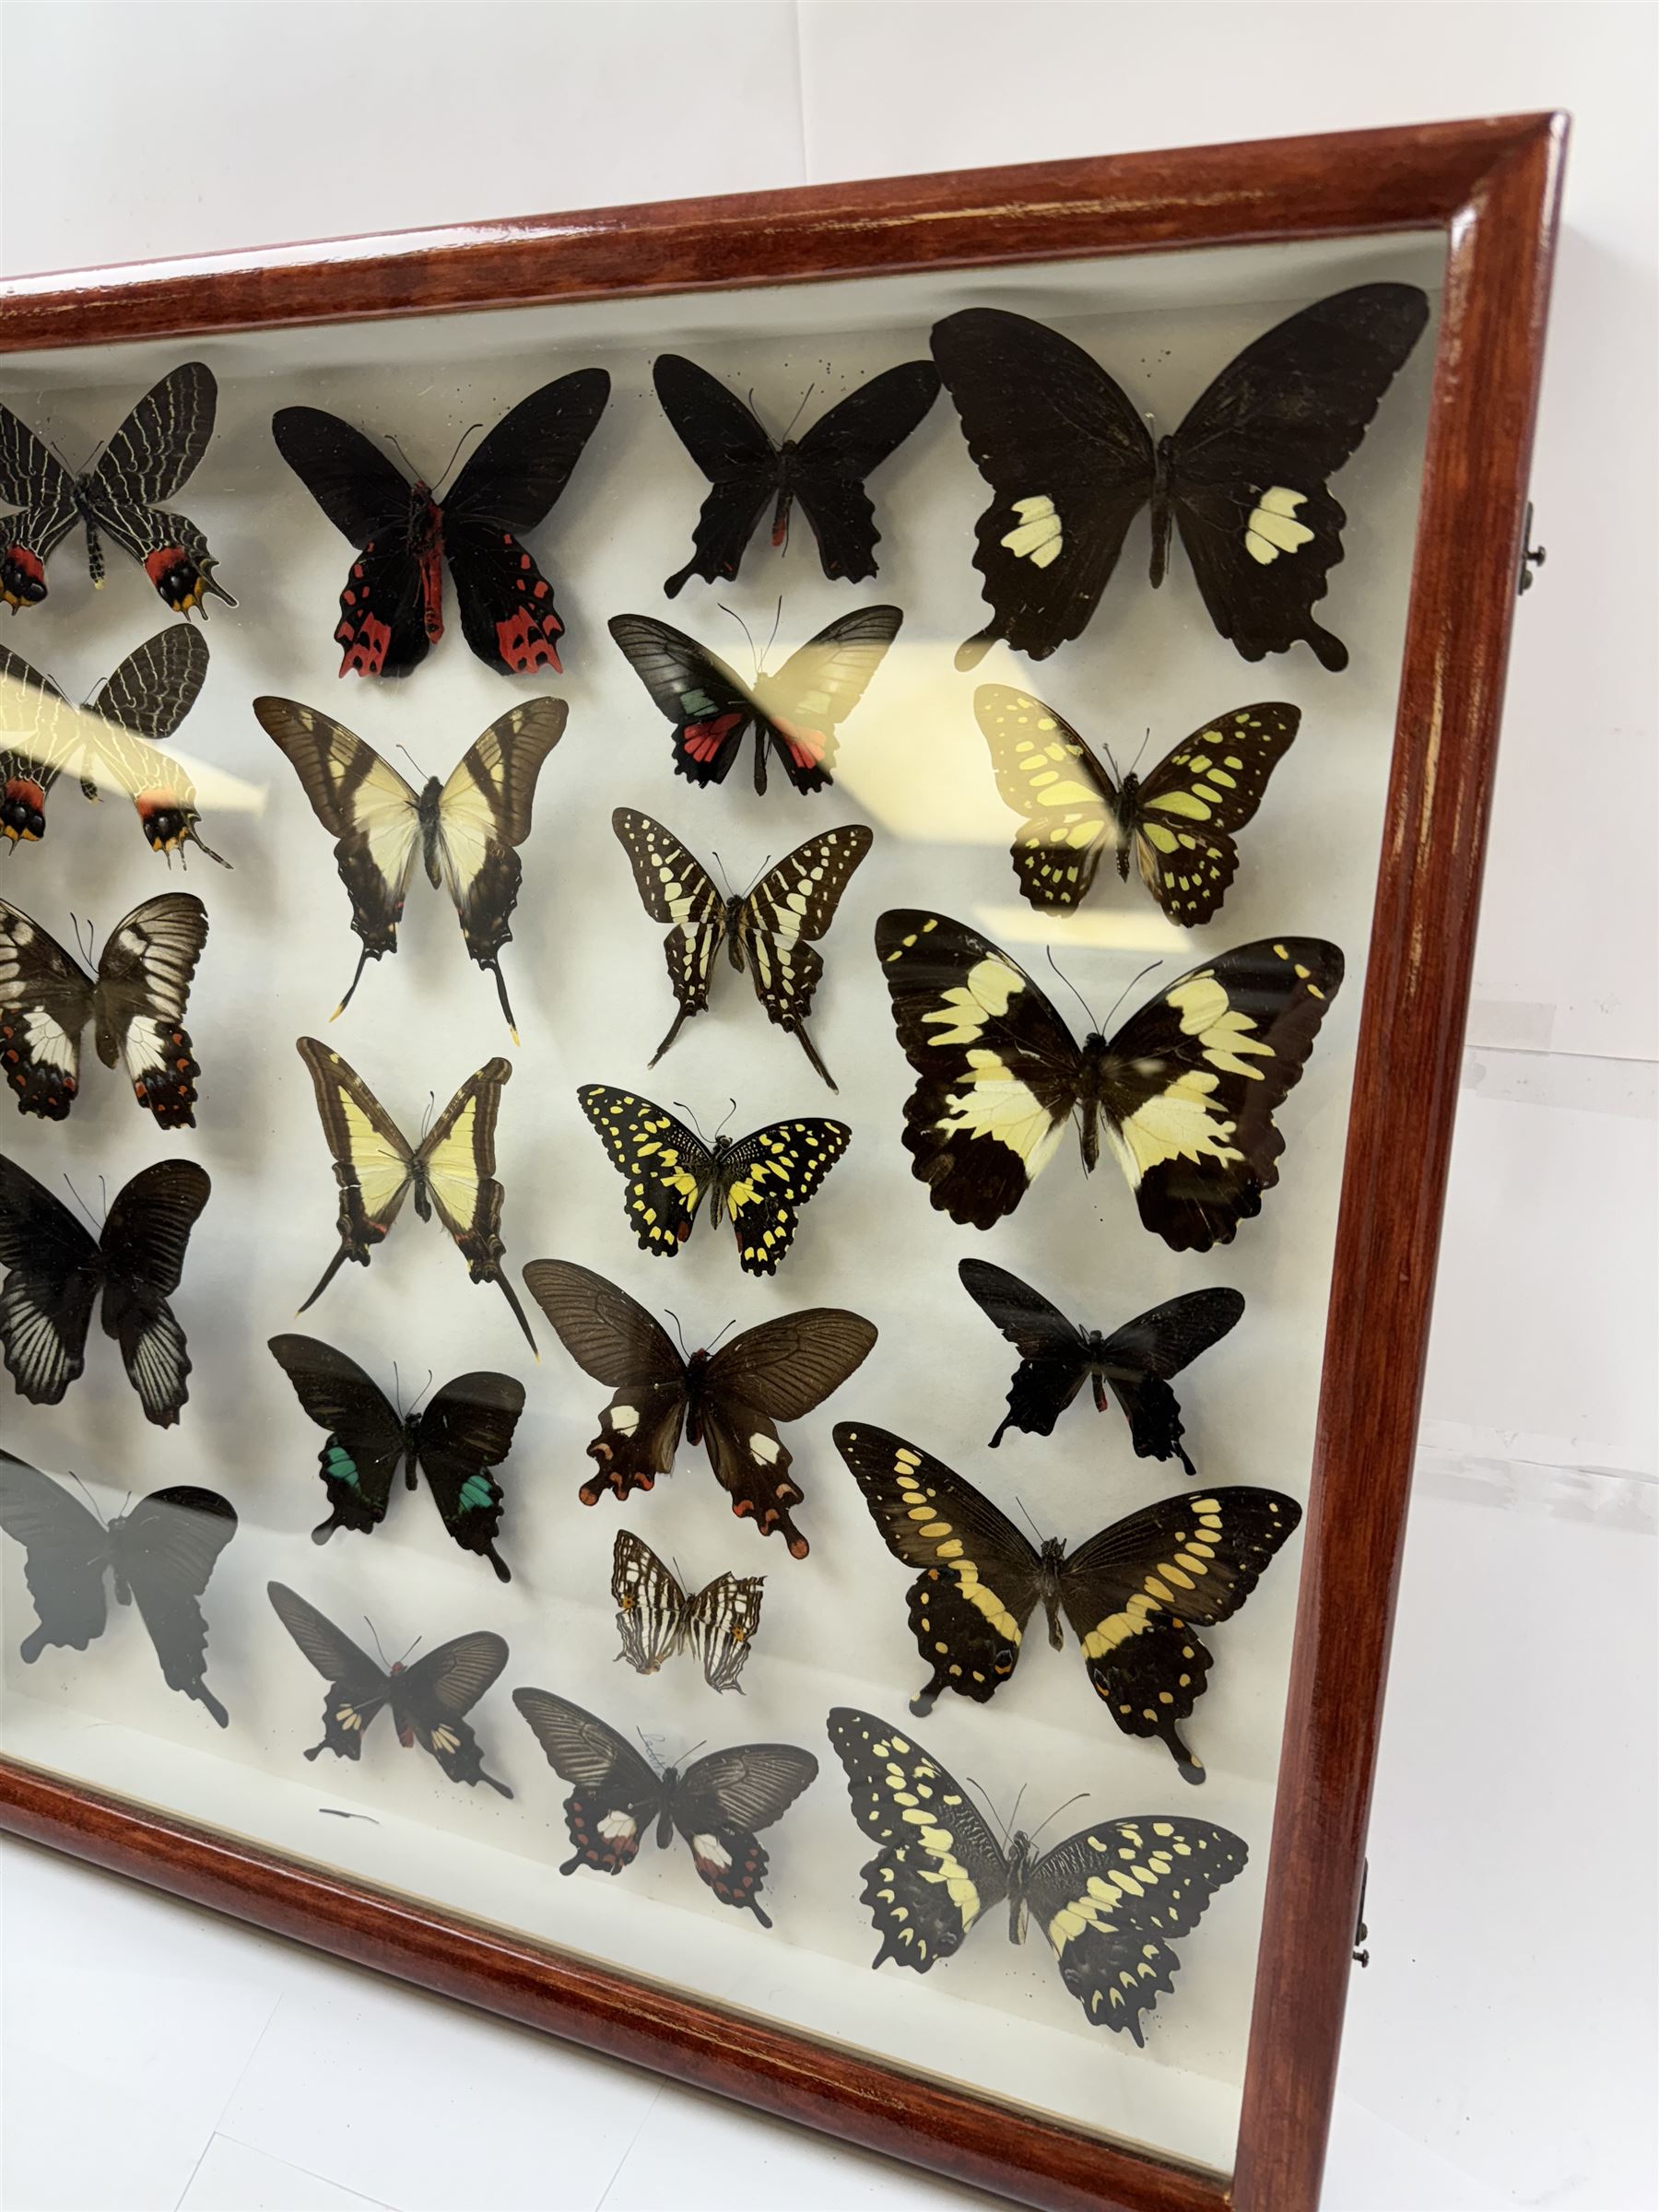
<point x="1112" y="1899"/>
<point x="1176" y="823"/>
<point x="768" y="930"/>
<point x="1135" y="1595"/>
<point x="1183" y="1092"/>
<point x="655" y="1617"/>
<point x="759" y="1182"/>
<point x="465" y="830"/>
<point x="451" y="1172"/>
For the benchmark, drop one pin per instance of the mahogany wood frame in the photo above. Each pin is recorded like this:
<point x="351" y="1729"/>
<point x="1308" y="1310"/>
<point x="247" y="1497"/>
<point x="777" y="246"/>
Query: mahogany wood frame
<point x="1493" y="188"/>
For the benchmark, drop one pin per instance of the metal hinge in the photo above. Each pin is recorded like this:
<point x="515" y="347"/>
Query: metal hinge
<point x="1532" y="556"/>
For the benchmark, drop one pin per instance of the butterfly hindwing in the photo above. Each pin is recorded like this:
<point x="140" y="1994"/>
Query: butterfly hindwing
<point x="724" y="1799"/>
<point x="463" y="1435"/>
<point x="616" y="1797"/>
<point x="144" y="1241"/>
<point x="1053" y="1352"/>
<point x="613" y="1338"/>
<point x="1183" y="817"/>
<point x="65" y="1552"/>
<point x="675" y="888"/>
<point x="431" y="1699"/>
<point x="364" y="1438"/>
<point x="1048" y="773"/>
<point x="803" y="705"/>
<point x="780" y="1371"/>
<point x="53" y="1270"/>
<point x="719" y="1626"/>
<point x="164" y="1551"/>
<point x="793" y="904"/>
<point x="1137" y="1360"/>
<point x="358" y="1689"/>
<point x="765" y="1178"/>
<point x="668" y="1167"/>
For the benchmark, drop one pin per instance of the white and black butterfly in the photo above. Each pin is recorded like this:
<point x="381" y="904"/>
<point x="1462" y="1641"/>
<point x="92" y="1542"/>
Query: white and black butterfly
<point x="1071" y="463"/>
<point x="824" y="469"/>
<point x="456" y="1441"/>
<point x="1057" y="1357"/>
<point x="159" y="1555"/>
<point x="1185" y="1092"/>
<point x="655" y="1617"/>
<point x="56" y="1270"/>
<point x="769" y="929"/>
<point x="1176" y="823"/>
<point x="428" y="1701"/>
<point x="717" y="1803"/>
<point x="465" y="830"/>
<point x="1112" y="1899"/>
<point x="135" y="1001"/>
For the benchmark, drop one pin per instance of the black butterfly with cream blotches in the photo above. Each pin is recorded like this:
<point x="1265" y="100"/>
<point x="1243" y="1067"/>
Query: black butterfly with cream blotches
<point x="159" y="1556"/>
<point x="391" y="607"/>
<point x="1185" y="1091"/>
<point x="1056" y="1357"/>
<point x="465" y="830"/>
<point x="428" y="1701"/>
<point x="794" y="713"/>
<point x="717" y="1803"/>
<point x="55" y="1271"/>
<point x="456" y="1442"/>
<point x="1135" y="1595"/>
<point x="153" y="453"/>
<point x="1176" y="823"/>
<point x="1071" y="462"/>
<point x="655" y="1617"/>
<point x="769" y="929"/>
<point x="824" y="470"/>
<point x="1112" y="1899"/>
<point x="730" y="1400"/>
<point x="451" y="1172"/>
<point x="115" y="739"/>
<point x="759" y="1182"/>
<point x="135" y="1001"/>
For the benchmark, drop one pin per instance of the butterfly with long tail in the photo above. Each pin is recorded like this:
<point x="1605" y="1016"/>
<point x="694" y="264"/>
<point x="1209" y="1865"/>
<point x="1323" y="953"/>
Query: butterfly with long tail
<point x="158" y="1556"/>
<point x="656" y="1618"/>
<point x="1135" y="1595"/>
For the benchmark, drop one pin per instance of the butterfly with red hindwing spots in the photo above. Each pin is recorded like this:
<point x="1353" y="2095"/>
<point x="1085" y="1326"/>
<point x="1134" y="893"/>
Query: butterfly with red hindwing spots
<point x="391" y="607"/>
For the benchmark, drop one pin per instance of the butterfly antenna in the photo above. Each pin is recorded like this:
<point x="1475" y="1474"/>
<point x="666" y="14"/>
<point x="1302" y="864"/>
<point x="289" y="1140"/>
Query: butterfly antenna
<point x="375" y="1633"/>
<point x="1129" y="987"/>
<point x="397" y="1390"/>
<point x="650" y="1743"/>
<point x="694" y="1750"/>
<point x="754" y="878"/>
<point x="1054" y="963"/>
<point x="1144" y="743"/>
<point x="777" y="619"/>
<point x="1013" y="1816"/>
<point x="801" y="409"/>
<point x="81" y="1203"/>
<point x="680" y="1332"/>
<point x="1056" y="1812"/>
<point x="459" y="444"/>
<point x="726" y="1116"/>
<point x="720" y="1332"/>
<point x="990" y="1805"/>
<point x="415" y="764"/>
<point x="428" y="1114"/>
<point x="86" y="1494"/>
<point x="422" y="1392"/>
<point x="414" y="1647"/>
<point x="690" y="1117"/>
<point x="1026" y="1510"/>
<point x="748" y="633"/>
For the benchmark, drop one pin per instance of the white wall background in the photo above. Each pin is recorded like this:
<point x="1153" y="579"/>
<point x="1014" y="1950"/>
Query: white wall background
<point x="1500" y="2049"/>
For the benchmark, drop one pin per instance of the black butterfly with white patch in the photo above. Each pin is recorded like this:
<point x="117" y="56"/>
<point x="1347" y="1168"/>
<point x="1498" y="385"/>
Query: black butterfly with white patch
<point x="769" y="929"/>
<point x="1135" y="1595"/>
<point x="759" y="1182"/>
<point x="151" y="457"/>
<point x="1176" y="823"/>
<point x="1071" y="462"/>
<point x="794" y="713"/>
<point x="135" y="1002"/>
<point x="428" y="1701"/>
<point x="56" y="1270"/>
<point x="730" y="1400"/>
<point x="159" y="1555"/>
<point x="717" y="1803"/>
<point x="457" y="1441"/>
<point x="824" y="469"/>
<point x="1185" y="1091"/>
<point x="1110" y="1899"/>
<point x="655" y="1617"/>
<point x="1057" y="1357"/>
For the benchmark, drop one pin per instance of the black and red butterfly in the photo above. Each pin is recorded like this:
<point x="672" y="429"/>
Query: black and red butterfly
<point x="151" y="454"/>
<point x="391" y="607"/>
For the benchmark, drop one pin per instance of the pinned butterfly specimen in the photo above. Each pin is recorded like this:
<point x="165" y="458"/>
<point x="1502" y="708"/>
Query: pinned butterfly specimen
<point x="1056" y="1357"/>
<point x="1071" y="462"/>
<point x="391" y="607"/>
<point x="769" y="929"/>
<point x="717" y="1803"/>
<point x="759" y="1182"/>
<point x="465" y="830"/>
<point x="1178" y="824"/>
<point x="56" y="1270"/>
<point x="1185" y="1091"/>
<point x="655" y="1617"/>
<point x="1112" y="1899"/>
<point x="457" y="1443"/>
<point x="1137" y="1595"/>
<point x="824" y="470"/>
<point x="115" y="739"/>
<point x="428" y="1701"/>
<point x="161" y="1554"/>
<point x="451" y="1172"/>
<point x="730" y="1400"/>
<point x="151" y="457"/>
<point x="795" y="713"/>
<point x="135" y="1001"/>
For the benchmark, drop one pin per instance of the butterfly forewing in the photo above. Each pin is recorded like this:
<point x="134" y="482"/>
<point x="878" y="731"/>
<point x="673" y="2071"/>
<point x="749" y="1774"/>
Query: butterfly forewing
<point x="718" y="1627"/>
<point x="1049" y="774"/>
<point x="651" y="1605"/>
<point x="792" y="904"/>
<point x="668" y="1167"/>
<point x="150" y="456"/>
<point x="164" y="1551"/>
<point x="676" y="887"/>
<point x="358" y="1689"/>
<point x="781" y="1370"/>
<point x="364" y="1440"/>
<point x="804" y="704"/>
<point x="614" y="1339"/>
<point x="432" y="1696"/>
<point x="143" y="1246"/>
<point x="724" y="1799"/>
<point x="464" y="1434"/>
<point x="615" y="1797"/>
<point x="65" y="1552"/>
<point x="1053" y="1353"/>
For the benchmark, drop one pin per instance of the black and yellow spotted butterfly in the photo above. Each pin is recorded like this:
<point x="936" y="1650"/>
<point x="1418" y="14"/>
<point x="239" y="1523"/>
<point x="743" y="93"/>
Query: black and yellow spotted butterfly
<point x="1110" y="1899"/>
<point x="759" y="1182"/>
<point x="1185" y="1091"/>
<point x="1177" y="824"/>
<point x="1135" y="1595"/>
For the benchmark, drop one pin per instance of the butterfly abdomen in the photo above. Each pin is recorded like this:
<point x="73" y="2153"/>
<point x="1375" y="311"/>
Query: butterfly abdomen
<point x="428" y="806"/>
<point x="1161" y="511"/>
<point x="1124" y="822"/>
